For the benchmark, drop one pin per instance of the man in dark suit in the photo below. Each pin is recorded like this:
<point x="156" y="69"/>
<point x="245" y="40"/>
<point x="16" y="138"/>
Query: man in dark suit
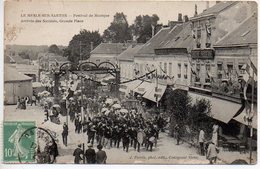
<point x="77" y="153"/>
<point x="126" y="139"/>
<point x="101" y="156"/>
<point x="65" y="133"/>
<point x="90" y="154"/>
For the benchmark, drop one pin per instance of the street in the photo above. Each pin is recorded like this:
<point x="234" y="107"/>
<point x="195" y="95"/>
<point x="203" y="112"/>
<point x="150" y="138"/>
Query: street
<point x="166" y="152"/>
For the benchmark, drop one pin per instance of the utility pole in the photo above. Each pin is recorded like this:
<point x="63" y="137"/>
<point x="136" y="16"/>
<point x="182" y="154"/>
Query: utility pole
<point x="82" y="110"/>
<point x="251" y="119"/>
<point x="156" y="89"/>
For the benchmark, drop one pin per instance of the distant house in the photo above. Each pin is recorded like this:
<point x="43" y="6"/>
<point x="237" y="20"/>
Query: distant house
<point x="172" y="56"/>
<point x="126" y="64"/>
<point x="107" y="52"/>
<point x="15" y="59"/>
<point x="16" y="85"/>
<point x="48" y="60"/>
<point x="28" y="70"/>
<point x="126" y="61"/>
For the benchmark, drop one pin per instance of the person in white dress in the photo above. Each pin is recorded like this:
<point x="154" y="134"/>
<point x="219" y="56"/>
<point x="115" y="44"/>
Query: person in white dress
<point x="215" y="134"/>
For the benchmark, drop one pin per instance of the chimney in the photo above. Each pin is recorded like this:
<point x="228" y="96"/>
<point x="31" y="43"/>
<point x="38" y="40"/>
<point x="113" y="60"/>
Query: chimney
<point x="91" y="46"/>
<point x="207" y="4"/>
<point x="180" y="17"/>
<point x="185" y="18"/>
<point x="153" y="30"/>
<point x="196" y="12"/>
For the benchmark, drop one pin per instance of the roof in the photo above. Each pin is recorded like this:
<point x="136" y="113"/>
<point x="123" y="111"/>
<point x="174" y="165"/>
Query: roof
<point x="129" y="53"/>
<point x="53" y="57"/>
<point x="15" y="59"/>
<point x="171" y="35"/>
<point x="11" y="75"/>
<point x="154" y="42"/>
<point x="181" y="38"/>
<point x="215" y="9"/>
<point x="58" y="58"/>
<point x="110" y="48"/>
<point x="244" y="34"/>
<point x="26" y="67"/>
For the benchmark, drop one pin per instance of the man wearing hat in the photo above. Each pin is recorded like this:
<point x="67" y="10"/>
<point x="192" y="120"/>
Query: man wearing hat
<point x="126" y="139"/>
<point x="78" y="152"/>
<point x="91" y="133"/>
<point x="101" y="156"/>
<point x="65" y="133"/>
<point x="90" y="154"/>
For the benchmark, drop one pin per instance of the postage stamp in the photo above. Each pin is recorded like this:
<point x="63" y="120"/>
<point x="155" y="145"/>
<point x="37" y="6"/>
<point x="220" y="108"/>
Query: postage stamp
<point x="19" y="142"/>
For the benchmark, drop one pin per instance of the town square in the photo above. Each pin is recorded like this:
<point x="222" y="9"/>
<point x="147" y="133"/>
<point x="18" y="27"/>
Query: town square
<point x="134" y="89"/>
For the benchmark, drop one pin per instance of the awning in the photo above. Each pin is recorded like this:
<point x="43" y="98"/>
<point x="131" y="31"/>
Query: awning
<point x="128" y="87"/>
<point x="195" y="96"/>
<point x="221" y="110"/>
<point x="151" y="93"/>
<point x="240" y="118"/>
<point x="141" y="89"/>
<point x="133" y="85"/>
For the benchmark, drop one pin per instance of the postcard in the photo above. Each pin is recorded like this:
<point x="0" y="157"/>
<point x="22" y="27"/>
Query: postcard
<point x="130" y="82"/>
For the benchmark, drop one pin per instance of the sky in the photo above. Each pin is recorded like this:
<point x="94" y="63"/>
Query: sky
<point x="21" y="27"/>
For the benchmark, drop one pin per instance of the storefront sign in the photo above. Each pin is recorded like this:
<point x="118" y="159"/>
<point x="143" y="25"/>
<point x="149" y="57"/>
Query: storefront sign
<point x="202" y="54"/>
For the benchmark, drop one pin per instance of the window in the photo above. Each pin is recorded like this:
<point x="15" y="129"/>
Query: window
<point x="241" y="71"/>
<point x="185" y="71"/>
<point x="165" y="68"/>
<point x="141" y="69"/>
<point x="170" y="69"/>
<point x="207" y="67"/>
<point x="219" y="76"/>
<point x="207" y="79"/>
<point x="198" y="68"/>
<point x="230" y="67"/>
<point x="160" y="68"/>
<point x="179" y="70"/>
<point x="199" y="33"/>
<point x="220" y="66"/>
<point x="208" y="40"/>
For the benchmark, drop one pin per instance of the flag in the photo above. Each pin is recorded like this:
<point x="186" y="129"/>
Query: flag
<point x="208" y="30"/>
<point x="193" y="34"/>
<point x="250" y="71"/>
<point x="210" y="76"/>
<point x="250" y="77"/>
<point x="193" y="71"/>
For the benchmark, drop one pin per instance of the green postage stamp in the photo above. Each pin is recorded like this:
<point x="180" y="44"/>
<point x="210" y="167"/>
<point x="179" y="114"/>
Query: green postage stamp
<point x="19" y="142"/>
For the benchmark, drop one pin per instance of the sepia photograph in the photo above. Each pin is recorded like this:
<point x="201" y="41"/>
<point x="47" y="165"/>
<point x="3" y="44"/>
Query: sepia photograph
<point x="130" y="82"/>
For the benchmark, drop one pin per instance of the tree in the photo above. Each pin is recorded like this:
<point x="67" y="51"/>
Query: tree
<point x="178" y="103"/>
<point x="81" y="43"/>
<point x="200" y="111"/>
<point x="118" y="31"/>
<point x="54" y="49"/>
<point x="24" y="54"/>
<point x="142" y="27"/>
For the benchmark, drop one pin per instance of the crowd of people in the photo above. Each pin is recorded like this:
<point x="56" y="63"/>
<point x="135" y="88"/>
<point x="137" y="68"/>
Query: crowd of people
<point x="91" y="156"/>
<point x="110" y="127"/>
<point x="23" y="102"/>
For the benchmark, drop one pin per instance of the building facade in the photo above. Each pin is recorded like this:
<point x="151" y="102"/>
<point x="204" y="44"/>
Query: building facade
<point x="208" y="28"/>
<point x="107" y="52"/>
